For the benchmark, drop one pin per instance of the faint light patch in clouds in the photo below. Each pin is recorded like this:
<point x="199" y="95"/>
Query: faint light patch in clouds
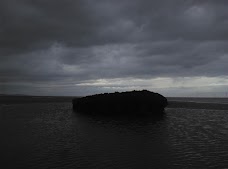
<point x="164" y="82"/>
<point x="204" y="85"/>
<point x="200" y="16"/>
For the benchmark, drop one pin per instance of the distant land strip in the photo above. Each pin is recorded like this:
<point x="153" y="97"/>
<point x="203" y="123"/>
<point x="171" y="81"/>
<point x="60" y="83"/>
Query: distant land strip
<point x="5" y="100"/>
<point x="195" y="105"/>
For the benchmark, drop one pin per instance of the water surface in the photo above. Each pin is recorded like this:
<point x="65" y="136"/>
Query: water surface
<point x="51" y="135"/>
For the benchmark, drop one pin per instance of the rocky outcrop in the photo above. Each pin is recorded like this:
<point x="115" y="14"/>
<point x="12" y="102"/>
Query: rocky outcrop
<point x="134" y="102"/>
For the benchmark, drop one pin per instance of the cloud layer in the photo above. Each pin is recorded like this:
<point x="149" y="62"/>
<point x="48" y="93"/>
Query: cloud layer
<point x="70" y="45"/>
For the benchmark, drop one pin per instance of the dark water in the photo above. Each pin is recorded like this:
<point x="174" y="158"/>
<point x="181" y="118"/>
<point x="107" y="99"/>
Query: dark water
<point x="50" y="135"/>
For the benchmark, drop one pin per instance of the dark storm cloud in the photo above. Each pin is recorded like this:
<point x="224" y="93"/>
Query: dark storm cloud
<point x="35" y="24"/>
<point x="27" y="24"/>
<point x="71" y="41"/>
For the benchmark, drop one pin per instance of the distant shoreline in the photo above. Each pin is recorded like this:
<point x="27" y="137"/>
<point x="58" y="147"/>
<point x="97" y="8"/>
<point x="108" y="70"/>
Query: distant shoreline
<point x="33" y="99"/>
<point x="188" y="103"/>
<point x="197" y="105"/>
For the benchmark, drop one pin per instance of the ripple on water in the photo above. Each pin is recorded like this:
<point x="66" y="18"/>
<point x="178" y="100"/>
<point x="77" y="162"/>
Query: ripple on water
<point x="201" y="134"/>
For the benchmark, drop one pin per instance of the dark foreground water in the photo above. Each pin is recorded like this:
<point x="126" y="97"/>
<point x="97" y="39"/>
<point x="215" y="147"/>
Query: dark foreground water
<point x="51" y="135"/>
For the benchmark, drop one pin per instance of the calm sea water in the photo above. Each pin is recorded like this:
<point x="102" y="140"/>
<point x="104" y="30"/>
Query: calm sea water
<point x="51" y="135"/>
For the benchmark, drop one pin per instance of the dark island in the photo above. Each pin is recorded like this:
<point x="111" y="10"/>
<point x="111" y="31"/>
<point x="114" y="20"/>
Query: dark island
<point x="134" y="102"/>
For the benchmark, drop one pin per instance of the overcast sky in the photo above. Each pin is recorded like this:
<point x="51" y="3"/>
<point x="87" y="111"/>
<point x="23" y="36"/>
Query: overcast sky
<point x="80" y="47"/>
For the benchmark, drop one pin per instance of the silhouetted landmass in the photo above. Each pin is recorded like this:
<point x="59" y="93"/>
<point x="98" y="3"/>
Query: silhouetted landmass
<point x="134" y="102"/>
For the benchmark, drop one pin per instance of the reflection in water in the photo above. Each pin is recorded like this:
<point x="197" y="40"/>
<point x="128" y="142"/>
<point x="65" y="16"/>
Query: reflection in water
<point x="122" y="141"/>
<point x="50" y="135"/>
